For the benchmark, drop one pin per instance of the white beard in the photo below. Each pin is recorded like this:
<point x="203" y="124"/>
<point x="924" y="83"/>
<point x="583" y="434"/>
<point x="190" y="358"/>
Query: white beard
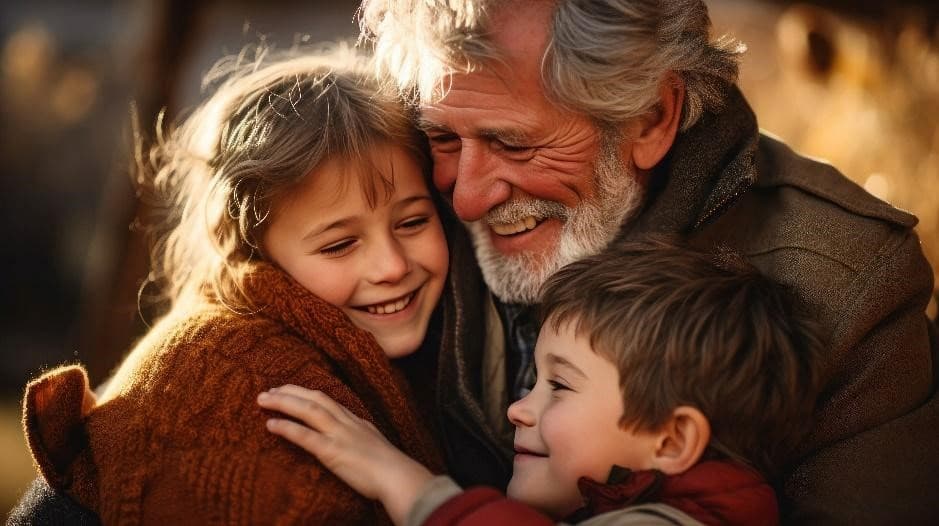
<point x="587" y="229"/>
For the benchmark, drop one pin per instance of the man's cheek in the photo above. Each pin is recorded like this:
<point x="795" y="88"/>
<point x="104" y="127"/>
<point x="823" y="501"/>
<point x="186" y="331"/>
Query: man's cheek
<point x="553" y="186"/>
<point x="444" y="175"/>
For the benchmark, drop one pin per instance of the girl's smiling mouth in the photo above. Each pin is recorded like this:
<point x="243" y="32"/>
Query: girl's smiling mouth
<point x="391" y="306"/>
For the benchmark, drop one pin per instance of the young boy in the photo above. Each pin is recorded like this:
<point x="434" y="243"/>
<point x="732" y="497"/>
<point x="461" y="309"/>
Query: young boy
<point x="669" y="383"/>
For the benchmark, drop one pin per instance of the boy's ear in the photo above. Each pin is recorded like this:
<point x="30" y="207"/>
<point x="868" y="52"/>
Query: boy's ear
<point x="682" y="441"/>
<point x="654" y="132"/>
<point x="54" y="412"/>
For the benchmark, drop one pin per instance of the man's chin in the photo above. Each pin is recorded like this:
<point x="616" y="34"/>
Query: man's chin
<point x="514" y="274"/>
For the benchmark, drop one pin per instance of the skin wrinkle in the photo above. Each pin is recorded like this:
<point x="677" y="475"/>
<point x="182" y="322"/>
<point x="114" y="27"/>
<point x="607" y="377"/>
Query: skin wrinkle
<point x="557" y="165"/>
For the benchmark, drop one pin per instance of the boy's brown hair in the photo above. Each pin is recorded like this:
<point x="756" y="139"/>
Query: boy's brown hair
<point x="686" y="327"/>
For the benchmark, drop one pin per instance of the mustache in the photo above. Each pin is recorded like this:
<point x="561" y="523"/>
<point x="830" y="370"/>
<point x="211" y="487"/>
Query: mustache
<point x="518" y="209"/>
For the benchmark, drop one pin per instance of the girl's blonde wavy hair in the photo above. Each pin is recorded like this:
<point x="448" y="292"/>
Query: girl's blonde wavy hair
<point x="211" y="182"/>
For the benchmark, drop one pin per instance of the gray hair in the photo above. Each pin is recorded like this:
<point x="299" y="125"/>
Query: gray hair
<point x="605" y="58"/>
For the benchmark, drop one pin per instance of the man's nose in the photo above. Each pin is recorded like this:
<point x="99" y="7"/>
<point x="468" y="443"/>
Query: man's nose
<point x="521" y="413"/>
<point x="388" y="262"/>
<point x="477" y="187"/>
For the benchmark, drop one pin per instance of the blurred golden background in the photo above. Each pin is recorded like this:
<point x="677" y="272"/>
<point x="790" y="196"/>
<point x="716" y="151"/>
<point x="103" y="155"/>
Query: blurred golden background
<point x="856" y="83"/>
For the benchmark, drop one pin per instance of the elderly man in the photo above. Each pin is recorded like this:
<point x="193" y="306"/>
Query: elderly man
<point x="558" y="126"/>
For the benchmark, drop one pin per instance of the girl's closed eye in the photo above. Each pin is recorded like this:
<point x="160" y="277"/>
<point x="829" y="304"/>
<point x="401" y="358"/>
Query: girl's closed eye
<point x="339" y="248"/>
<point x="414" y="223"/>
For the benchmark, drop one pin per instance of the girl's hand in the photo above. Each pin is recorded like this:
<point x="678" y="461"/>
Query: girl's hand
<point x="348" y="446"/>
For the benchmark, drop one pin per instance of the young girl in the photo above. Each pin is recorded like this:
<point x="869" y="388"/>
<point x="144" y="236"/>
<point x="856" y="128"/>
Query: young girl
<point x="299" y="244"/>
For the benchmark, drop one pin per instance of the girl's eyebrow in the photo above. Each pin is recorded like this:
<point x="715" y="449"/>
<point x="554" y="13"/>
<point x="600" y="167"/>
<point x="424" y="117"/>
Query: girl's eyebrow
<point x="321" y="228"/>
<point x="349" y="220"/>
<point x="413" y="198"/>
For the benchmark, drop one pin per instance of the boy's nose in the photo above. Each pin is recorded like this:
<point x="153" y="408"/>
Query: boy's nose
<point x="521" y="414"/>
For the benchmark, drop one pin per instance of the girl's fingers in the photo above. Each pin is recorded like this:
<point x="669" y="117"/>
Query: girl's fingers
<point x="318" y="397"/>
<point x="307" y="411"/>
<point x="300" y="435"/>
<point x="294" y="390"/>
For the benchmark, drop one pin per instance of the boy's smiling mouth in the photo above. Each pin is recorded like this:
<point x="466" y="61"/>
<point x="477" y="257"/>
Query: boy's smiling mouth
<point x="519" y="450"/>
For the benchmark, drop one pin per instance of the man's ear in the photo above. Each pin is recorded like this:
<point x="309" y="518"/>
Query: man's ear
<point x="658" y="127"/>
<point x="682" y="441"/>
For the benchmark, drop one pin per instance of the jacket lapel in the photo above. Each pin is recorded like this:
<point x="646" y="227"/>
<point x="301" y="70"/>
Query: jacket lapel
<point x="708" y="167"/>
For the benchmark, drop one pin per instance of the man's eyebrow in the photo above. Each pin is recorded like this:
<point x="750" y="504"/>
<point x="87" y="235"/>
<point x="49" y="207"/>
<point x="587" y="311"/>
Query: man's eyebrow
<point x="559" y="361"/>
<point x="504" y="135"/>
<point x="426" y="125"/>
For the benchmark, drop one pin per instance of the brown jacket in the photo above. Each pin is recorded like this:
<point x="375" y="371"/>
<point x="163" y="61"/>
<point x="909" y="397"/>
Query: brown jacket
<point x="872" y="457"/>
<point x="177" y="438"/>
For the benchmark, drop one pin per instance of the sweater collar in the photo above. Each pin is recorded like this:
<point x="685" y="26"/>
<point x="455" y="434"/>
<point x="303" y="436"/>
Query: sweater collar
<point x="707" y="168"/>
<point x="712" y="492"/>
<point x="358" y="360"/>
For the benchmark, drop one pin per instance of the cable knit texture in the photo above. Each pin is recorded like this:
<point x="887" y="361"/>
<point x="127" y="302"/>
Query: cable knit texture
<point x="178" y="438"/>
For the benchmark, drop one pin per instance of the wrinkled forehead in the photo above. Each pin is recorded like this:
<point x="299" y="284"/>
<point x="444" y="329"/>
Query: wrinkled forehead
<point x="521" y="30"/>
<point x="492" y="91"/>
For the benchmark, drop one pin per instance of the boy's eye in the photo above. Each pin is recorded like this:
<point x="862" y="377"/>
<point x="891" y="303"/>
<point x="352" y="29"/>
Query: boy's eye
<point x="558" y="386"/>
<point x="339" y="248"/>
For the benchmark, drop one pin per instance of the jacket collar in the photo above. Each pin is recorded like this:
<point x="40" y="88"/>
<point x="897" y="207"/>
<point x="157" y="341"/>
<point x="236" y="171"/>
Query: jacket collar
<point x="707" y="168"/>
<point x="713" y="492"/>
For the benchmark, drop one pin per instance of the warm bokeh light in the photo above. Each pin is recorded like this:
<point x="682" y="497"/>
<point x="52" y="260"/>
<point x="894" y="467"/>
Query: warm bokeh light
<point x="879" y="186"/>
<point x="27" y="56"/>
<point x="74" y="95"/>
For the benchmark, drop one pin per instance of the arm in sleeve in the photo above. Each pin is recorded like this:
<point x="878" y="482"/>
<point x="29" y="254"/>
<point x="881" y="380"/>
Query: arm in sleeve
<point x="443" y="503"/>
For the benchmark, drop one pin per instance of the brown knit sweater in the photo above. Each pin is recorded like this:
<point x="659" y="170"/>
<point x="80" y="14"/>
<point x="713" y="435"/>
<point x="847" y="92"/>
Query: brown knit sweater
<point x="178" y="437"/>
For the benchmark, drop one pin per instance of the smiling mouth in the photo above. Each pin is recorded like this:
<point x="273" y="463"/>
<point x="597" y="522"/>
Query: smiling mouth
<point x="510" y="229"/>
<point x="391" y="306"/>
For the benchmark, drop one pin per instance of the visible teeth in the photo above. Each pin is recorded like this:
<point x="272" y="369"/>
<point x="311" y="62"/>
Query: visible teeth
<point x="390" y="307"/>
<point x="507" y="229"/>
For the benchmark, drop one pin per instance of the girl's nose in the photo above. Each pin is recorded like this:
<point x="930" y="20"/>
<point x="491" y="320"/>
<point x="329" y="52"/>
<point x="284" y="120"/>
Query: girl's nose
<point x="390" y="263"/>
